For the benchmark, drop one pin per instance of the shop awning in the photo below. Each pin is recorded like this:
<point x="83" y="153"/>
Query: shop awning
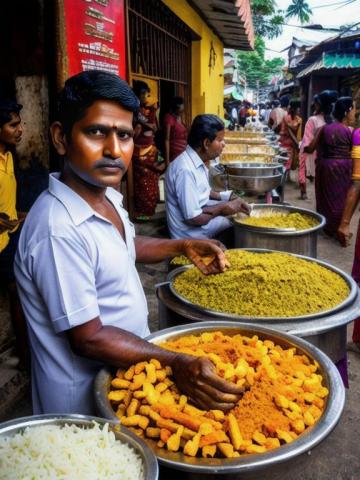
<point x="231" y="20"/>
<point x="331" y="61"/>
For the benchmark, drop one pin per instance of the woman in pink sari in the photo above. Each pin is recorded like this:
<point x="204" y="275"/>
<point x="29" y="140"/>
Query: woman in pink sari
<point x="290" y="132"/>
<point x="333" y="164"/>
<point x="307" y="161"/>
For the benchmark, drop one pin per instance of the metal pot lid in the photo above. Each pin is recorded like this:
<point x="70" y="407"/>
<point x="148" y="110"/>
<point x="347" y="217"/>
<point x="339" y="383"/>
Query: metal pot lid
<point x="348" y="301"/>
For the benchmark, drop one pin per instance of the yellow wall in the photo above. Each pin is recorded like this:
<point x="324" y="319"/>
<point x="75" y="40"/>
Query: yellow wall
<point x="207" y="87"/>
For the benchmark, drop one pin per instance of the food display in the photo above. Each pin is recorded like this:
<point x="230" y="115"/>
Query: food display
<point x="248" y="149"/>
<point x="283" y="396"/>
<point x="296" y="220"/>
<point x="264" y="285"/>
<point x="69" y="451"/>
<point x="247" y="158"/>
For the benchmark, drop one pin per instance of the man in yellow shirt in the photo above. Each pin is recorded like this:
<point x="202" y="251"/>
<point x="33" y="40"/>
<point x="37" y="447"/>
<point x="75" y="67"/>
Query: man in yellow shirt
<point x="10" y="136"/>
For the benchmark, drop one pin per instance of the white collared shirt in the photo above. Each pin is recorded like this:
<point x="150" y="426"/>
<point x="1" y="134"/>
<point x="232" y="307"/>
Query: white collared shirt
<point x="71" y="266"/>
<point x="187" y="192"/>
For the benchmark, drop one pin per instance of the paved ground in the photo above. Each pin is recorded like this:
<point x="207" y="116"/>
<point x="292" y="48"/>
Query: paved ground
<point x="338" y="457"/>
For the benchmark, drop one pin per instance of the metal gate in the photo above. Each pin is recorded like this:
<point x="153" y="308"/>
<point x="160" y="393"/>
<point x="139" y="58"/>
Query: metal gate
<point x="160" y="46"/>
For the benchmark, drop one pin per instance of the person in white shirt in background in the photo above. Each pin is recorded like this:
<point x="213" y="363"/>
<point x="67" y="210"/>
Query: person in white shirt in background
<point x="75" y="264"/>
<point x="193" y="209"/>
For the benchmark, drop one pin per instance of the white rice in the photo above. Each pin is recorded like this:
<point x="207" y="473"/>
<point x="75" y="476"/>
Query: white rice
<point x="68" y="452"/>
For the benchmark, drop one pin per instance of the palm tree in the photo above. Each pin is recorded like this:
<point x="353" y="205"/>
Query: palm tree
<point x="299" y="9"/>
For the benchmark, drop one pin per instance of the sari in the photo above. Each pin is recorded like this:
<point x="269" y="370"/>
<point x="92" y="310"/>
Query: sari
<point x="307" y="160"/>
<point x="333" y="173"/>
<point x="145" y="166"/>
<point x="286" y="141"/>
<point x="178" y="135"/>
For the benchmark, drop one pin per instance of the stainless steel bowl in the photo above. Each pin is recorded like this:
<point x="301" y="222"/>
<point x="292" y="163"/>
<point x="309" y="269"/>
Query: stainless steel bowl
<point x="151" y="469"/>
<point x="302" y="242"/>
<point x="253" y="169"/>
<point x="263" y="210"/>
<point x="254" y="185"/>
<point x="254" y="466"/>
<point x="347" y="301"/>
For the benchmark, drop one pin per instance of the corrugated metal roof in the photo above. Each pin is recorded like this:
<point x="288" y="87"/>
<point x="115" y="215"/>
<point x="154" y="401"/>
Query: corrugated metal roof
<point x="231" y="20"/>
<point x="329" y="61"/>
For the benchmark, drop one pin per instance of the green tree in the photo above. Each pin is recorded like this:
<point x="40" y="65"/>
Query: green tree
<point x="254" y="66"/>
<point x="299" y="9"/>
<point x="268" y="20"/>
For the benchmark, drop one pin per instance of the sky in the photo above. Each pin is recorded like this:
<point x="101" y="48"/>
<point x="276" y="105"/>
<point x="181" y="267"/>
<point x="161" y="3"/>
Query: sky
<point x="327" y="16"/>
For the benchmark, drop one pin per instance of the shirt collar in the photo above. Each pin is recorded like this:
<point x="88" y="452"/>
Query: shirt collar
<point x="78" y="209"/>
<point x="195" y="158"/>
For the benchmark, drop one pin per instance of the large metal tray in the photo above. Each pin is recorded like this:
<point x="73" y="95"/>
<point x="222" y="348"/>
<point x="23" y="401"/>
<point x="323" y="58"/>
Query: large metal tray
<point x="247" y="465"/>
<point x="350" y="282"/>
<point x="151" y="469"/>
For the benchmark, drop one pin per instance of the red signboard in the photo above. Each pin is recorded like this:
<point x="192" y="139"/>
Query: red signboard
<point x="95" y="36"/>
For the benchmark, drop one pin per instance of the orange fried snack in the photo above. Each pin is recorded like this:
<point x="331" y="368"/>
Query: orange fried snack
<point x="284" y="396"/>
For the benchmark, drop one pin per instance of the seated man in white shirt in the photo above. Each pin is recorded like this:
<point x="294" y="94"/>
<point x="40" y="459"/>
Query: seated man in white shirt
<point x="75" y="264"/>
<point x="193" y="210"/>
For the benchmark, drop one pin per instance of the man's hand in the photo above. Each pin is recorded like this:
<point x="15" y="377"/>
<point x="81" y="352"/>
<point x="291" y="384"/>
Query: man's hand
<point x="6" y="224"/>
<point x="196" y="377"/>
<point x="235" y="206"/>
<point x="196" y="249"/>
<point x="344" y="235"/>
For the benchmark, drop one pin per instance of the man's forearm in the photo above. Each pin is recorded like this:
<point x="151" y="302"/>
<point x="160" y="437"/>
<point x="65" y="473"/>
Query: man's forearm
<point x="153" y="250"/>
<point x="117" y="347"/>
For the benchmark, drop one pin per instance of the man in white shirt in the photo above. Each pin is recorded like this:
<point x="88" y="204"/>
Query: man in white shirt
<point x="75" y="264"/>
<point x="193" y="210"/>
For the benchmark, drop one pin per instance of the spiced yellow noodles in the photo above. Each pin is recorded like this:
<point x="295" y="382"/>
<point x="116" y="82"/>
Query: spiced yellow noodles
<point x="264" y="285"/>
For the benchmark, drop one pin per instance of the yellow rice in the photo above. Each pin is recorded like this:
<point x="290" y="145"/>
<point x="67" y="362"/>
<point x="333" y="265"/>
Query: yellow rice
<point x="264" y="285"/>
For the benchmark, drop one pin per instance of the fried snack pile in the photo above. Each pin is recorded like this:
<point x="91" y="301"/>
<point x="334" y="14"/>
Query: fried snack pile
<point x="284" y="396"/>
<point x="264" y="285"/>
<point x="298" y="221"/>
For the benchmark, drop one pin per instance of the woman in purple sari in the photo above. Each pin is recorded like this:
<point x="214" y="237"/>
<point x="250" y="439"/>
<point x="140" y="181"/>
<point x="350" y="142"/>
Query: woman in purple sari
<point x="333" y="164"/>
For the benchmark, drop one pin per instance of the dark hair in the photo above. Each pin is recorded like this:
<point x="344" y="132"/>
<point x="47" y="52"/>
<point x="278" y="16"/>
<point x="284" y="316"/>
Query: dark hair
<point x="7" y="107"/>
<point x="342" y="106"/>
<point x="175" y="103"/>
<point x="276" y="103"/>
<point x="294" y="105"/>
<point x="204" y="127"/>
<point x="140" y="87"/>
<point x="85" y="88"/>
<point x="284" y="101"/>
<point x="326" y="101"/>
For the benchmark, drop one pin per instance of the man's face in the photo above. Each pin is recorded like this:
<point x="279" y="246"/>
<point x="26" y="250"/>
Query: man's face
<point x="215" y="147"/>
<point x="10" y="132"/>
<point x="101" y="144"/>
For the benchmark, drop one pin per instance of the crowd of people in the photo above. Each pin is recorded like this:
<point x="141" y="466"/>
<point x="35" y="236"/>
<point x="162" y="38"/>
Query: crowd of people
<point x="74" y="256"/>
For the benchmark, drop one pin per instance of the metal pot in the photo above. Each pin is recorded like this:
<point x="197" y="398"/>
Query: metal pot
<point x="326" y="332"/>
<point x="253" y="169"/>
<point x="151" y="469"/>
<point x="254" y="185"/>
<point x="270" y="465"/>
<point x="303" y="242"/>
